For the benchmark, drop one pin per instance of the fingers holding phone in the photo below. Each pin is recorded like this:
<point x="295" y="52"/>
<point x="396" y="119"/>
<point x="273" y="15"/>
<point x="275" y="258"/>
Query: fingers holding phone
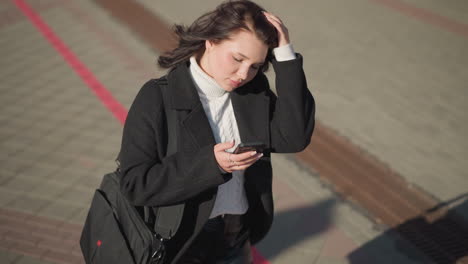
<point x="230" y="162"/>
<point x="244" y="160"/>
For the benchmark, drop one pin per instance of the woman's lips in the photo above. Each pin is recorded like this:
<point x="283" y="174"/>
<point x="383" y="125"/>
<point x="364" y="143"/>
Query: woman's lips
<point x="234" y="83"/>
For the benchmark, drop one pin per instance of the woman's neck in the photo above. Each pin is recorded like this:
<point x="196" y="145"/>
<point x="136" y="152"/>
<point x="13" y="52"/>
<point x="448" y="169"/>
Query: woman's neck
<point x="202" y="61"/>
<point x="206" y="85"/>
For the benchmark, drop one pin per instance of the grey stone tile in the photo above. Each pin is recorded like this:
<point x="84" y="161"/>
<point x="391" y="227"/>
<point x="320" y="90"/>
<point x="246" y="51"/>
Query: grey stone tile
<point x="8" y="257"/>
<point x="91" y="181"/>
<point x="75" y="196"/>
<point x="5" y="171"/>
<point x="17" y="123"/>
<point x="28" y="203"/>
<point x="75" y="147"/>
<point x="7" y="196"/>
<point x="16" y="165"/>
<point x="71" y="172"/>
<point x="20" y="184"/>
<point x="30" y="260"/>
<point x="59" y="210"/>
<point x="59" y="159"/>
<point x="80" y="216"/>
<point x="5" y="136"/>
<point x="105" y="153"/>
<point x="5" y="175"/>
<point x="5" y="154"/>
<point x="37" y="132"/>
<point x="38" y="127"/>
<point x="40" y="170"/>
<point x="328" y="260"/>
<point x="67" y="176"/>
<point x="17" y="28"/>
<point x="48" y="189"/>
<point x="296" y="255"/>
<point x="355" y="222"/>
<point x="29" y="155"/>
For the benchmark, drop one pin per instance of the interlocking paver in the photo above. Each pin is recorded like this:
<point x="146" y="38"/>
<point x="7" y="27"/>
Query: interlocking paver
<point x="21" y="237"/>
<point x="28" y="203"/>
<point x="24" y="248"/>
<point x="8" y="257"/>
<point x="38" y="170"/>
<point x="68" y="175"/>
<point x="30" y="260"/>
<point x="57" y="245"/>
<point x="7" y="196"/>
<point x="59" y="210"/>
<point x="48" y="232"/>
<point x="80" y="216"/>
<point x="62" y="258"/>
<point x="20" y="184"/>
<point x="74" y="196"/>
<point x="328" y="260"/>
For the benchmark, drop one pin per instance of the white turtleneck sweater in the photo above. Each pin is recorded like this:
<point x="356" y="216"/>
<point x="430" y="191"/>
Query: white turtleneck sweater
<point x="231" y="197"/>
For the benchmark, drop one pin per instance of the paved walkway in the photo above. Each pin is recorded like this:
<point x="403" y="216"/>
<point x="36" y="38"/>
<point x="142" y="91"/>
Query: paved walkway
<point x="58" y="138"/>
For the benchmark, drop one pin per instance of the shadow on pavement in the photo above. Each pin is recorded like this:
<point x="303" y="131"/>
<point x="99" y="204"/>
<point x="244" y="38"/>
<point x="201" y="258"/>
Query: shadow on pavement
<point x="443" y="240"/>
<point x="418" y="240"/>
<point x="294" y="226"/>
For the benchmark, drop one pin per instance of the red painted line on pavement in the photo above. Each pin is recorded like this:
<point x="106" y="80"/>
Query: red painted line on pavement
<point x="426" y="16"/>
<point x="88" y="77"/>
<point x="257" y="258"/>
<point x="117" y="109"/>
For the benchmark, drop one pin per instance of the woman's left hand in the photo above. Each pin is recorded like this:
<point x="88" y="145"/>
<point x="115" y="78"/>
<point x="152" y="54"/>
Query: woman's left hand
<point x="283" y="33"/>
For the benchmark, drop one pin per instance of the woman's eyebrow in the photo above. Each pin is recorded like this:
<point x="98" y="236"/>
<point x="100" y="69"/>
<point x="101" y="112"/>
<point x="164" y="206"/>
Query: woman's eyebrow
<point x="242" y="55"/>
<point x="262" y="62"/>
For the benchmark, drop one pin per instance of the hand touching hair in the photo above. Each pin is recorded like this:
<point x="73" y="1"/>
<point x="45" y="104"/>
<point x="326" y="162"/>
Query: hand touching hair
<point x="217" y="26"/>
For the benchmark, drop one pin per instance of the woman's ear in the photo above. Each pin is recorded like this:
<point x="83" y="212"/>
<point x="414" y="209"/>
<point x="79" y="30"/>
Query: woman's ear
<point x="208" y="45"/>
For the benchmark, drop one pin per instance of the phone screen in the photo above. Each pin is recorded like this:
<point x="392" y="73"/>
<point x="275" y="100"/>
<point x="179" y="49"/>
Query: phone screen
<point x="253" y="146"/>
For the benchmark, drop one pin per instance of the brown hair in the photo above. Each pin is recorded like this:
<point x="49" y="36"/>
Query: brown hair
<point x="218" y="25"/>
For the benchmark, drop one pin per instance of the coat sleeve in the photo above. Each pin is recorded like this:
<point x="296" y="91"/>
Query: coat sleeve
<point x="147" y="178"/>
<point x="292" y="112"/>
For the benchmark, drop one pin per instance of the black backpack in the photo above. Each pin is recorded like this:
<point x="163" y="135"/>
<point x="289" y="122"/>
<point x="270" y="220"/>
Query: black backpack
<point x="116" y="231"/>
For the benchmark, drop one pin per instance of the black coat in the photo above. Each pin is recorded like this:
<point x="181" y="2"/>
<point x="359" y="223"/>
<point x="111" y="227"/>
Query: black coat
<point x="191" y="175"/>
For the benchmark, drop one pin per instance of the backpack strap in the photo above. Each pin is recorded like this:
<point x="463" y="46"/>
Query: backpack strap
<point x="167" y="218"/>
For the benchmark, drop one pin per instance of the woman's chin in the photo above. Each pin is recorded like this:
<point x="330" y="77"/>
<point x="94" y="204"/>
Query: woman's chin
<point x="228" y="88"/>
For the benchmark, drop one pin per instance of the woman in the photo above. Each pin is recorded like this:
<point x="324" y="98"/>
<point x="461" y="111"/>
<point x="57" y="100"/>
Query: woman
<point x="217" y="87"/>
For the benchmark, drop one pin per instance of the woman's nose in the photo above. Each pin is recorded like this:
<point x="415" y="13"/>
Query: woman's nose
<point x="242" y="73"/>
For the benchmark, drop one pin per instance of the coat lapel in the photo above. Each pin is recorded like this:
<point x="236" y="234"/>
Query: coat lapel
<point x="250" y="105"/>
<point x="194" y="132"/>
<point x="184" y="96"/>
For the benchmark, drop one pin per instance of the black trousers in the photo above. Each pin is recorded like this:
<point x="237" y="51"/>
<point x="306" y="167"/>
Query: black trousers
<point x="222" y="238"/>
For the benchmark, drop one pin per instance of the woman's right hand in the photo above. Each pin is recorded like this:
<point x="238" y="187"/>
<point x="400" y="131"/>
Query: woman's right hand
<point x="230" y="162"/>
<point x="283" y="33"/>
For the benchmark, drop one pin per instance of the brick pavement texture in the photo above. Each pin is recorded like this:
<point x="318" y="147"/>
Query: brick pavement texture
<point x="57" y="140"/>
<point x="40" y="237"/>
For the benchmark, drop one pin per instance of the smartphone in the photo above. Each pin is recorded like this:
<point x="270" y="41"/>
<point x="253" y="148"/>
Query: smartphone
<point x="259" y="147"/>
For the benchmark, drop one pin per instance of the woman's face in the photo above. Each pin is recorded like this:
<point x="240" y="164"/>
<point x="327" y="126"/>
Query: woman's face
<point x="235" y="61"/>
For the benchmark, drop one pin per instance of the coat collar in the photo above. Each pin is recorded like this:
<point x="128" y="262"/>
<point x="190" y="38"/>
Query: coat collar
<point x="182" y="90"/>
<point x="250" y="104"/>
